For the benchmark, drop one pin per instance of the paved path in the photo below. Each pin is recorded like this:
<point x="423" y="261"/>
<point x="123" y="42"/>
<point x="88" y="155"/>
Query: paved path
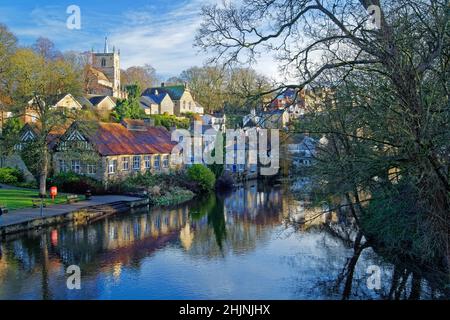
<point x="23" y="215"/>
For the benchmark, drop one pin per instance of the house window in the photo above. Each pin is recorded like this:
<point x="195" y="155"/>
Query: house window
<point x="112" y="166"/>
<point x="62" y="166"/>
<point x="165" y="161"/>
<point x="157" y="160"/>
<point x="136" y="163"/>
<point x="126" y="164"/>
<point x="76" y="166"/>
<point x="91" y="168"/>
<point x="147" y="162"/>
<point x="189" y="105"/>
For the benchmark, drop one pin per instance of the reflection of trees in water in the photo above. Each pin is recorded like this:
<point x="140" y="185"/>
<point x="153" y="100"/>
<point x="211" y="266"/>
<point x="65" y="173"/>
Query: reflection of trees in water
<point x="401" y="281"/>
<point x="213" y="227"/>
<point x="237" y="221"/>
<point x="208" y="228"/>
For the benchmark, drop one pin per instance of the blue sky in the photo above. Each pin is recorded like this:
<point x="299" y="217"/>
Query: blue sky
<point x="158" y="32"/>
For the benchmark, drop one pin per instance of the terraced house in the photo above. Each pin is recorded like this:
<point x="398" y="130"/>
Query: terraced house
<point x="113" y="151"/>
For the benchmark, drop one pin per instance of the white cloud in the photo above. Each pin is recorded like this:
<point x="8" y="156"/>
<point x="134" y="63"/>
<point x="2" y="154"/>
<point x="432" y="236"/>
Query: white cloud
<point x="160" y="36"/>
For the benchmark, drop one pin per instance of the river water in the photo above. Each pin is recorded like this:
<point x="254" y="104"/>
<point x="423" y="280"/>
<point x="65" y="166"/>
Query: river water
<point x="247" y="244"/>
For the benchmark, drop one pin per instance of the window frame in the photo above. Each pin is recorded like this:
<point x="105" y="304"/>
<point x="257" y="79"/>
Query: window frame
<point x="136" y="160"/>
<point x="147" y="160"/>
<point x="112" y="164"/>
<point x="165" y="161"/>
<point x="126" y="160"/>
<point x="157" y="162"/>
<point x="75" y="166"/>
<point x="91" y="168"/>
<point x="62" y="165"/>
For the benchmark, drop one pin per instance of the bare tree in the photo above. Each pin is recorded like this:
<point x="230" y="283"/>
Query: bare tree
<point x="384" y="68"/>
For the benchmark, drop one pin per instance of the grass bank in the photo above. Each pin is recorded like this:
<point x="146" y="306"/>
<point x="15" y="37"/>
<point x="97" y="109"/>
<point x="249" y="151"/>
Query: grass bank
<point x="15" y="199"/>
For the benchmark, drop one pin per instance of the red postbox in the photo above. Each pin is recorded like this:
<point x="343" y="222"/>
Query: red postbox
<point x="53" y="192"/>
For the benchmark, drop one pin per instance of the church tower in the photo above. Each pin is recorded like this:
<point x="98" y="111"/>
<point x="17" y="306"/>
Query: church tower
<point x="109" y="64"/>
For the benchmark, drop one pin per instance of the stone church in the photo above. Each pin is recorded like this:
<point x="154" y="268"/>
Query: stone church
<point x="103" y="77"/>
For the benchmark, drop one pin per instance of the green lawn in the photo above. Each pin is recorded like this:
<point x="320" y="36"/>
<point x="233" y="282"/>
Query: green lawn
<point x="18" y="199"/>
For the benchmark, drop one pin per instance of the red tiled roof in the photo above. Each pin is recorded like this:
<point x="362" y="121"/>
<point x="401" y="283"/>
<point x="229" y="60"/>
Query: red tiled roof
<point x="115" y="139"/>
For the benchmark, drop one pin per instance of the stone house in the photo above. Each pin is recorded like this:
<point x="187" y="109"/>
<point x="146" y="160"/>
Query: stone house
<point x="216" y="120"/>
<point x="275" y="119"/>
<point x="119" y="149"/>
<point x="156" y="102"/>
<point x="181" y="97"/>
<point x="68" y="102"/>
<point x="98" y="102"/>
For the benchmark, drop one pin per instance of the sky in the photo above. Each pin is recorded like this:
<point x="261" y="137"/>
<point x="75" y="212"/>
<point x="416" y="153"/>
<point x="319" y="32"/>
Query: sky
<point x="156" y="32"/>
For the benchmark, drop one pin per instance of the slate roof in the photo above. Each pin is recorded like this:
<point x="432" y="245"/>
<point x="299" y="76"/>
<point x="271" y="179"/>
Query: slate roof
<point x="95" y="100"/>
<point x="146" y="101"/>
<point x="84" y="101"/>
<point x="115" y="139"/>
<point x="175" y="92"/>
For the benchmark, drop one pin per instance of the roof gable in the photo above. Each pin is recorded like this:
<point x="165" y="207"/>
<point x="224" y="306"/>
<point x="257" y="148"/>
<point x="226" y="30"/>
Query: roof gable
<point x="70" y="98"/>
<point x="175" y="92"/>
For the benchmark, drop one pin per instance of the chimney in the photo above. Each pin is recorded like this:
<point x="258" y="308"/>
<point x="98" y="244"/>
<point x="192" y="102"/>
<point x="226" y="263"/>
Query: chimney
<point x="162" y="84"/>
<point x="156" y="92"/>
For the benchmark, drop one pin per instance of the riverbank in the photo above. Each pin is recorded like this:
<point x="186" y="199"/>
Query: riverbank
<point x="79" y="212"/>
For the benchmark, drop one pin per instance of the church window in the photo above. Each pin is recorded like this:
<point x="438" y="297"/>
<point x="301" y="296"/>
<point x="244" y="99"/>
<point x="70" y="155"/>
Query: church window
<point x="103" y="62"/>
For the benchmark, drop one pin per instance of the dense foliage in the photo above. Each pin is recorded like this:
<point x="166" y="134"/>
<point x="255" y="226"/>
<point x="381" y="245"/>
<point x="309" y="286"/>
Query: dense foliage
<point x="203" y="176"/>
<point x="169" y="121"/>
<point x="11" y="176"/>
<point x="129" y="108"/>
<point x="73" y="183"/>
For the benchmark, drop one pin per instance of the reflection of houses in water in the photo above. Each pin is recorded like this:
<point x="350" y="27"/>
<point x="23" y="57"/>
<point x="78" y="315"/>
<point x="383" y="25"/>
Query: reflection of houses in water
<point x="301" y="212"/>
<point x="239" y="222"/>
<point x="187" y="236"/>
<point x="257" y="206"/>
<point x="124" y="232"/>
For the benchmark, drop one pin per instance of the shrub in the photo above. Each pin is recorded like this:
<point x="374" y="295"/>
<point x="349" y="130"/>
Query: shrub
<point x="203" y="176"/>
<point x="169" y="121"/>
<point x="74" y="183"/>
<point x="173" y="196"/>
<point x="225" y="182"/>
<point x="11" y="176"/>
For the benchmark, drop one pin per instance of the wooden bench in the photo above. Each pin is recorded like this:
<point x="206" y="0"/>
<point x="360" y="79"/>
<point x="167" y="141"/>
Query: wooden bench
<point x="72" y="198"/>
<point x="37" y="203"/>
<point x="3" y="210"/>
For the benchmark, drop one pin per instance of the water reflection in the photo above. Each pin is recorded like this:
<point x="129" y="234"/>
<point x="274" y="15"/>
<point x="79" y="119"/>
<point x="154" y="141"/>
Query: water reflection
<point x="256" y="242"/>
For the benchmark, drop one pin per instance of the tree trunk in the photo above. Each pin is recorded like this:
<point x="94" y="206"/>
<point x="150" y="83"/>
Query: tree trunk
<point x="43" y="172"/>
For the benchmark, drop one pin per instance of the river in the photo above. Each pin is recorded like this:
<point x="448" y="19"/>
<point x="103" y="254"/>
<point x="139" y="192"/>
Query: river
<point x="247" y="244"/>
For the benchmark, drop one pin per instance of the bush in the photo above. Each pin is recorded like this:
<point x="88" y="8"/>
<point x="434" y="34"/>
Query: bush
<point x="173" y="196"/>
<point x="11" y="176"/>
<point x="225" y="182"/>
<point x="203" y="176"/>
<point x="169" y="121"/>
<point x="73" y="183"/>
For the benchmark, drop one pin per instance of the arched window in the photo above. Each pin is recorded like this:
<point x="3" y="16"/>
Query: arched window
<point x="103" y="62"/>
